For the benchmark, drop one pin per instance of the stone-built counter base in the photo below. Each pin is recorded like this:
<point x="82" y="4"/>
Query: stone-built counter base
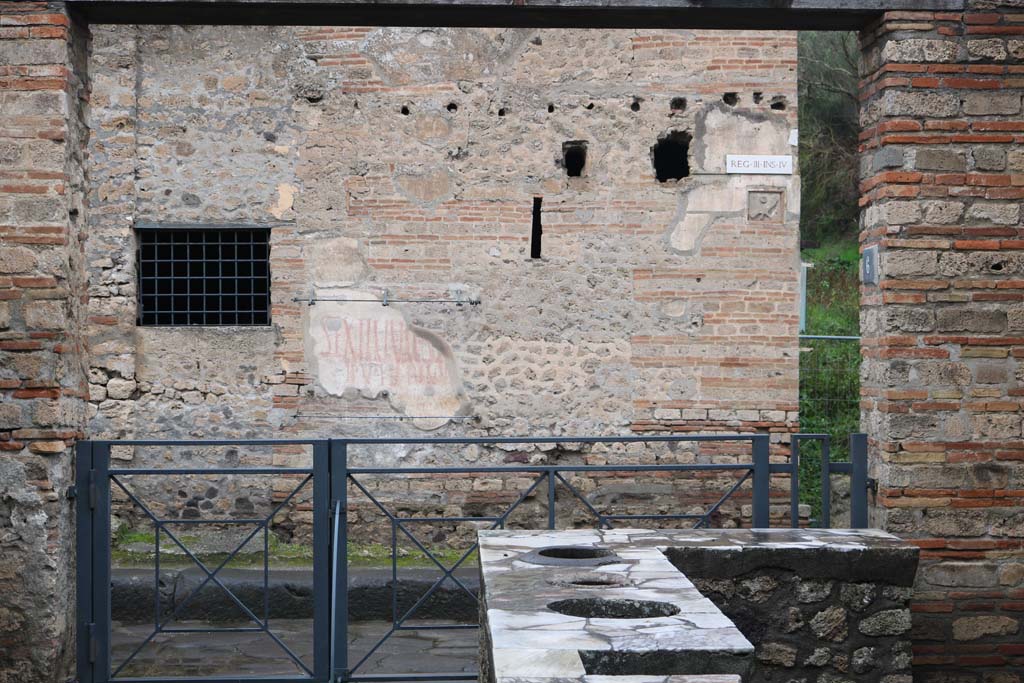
<point x="820" y="606"/>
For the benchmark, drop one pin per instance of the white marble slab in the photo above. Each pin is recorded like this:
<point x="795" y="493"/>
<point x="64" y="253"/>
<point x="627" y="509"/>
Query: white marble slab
<point x="530" y="641"/>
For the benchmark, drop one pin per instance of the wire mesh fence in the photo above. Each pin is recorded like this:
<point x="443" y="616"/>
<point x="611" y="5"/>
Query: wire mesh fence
<point x="829" y="404"/>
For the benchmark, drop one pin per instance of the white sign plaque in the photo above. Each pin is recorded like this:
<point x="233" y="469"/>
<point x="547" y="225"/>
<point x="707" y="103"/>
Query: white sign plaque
<point x="745" y="163"/>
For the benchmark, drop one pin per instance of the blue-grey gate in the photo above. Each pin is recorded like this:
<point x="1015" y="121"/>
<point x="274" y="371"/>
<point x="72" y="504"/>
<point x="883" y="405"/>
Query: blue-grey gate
<point x="327" y="485"/>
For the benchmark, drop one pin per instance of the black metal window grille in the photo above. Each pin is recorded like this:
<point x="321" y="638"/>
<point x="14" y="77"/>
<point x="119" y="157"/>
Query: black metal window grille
<point x="204" y="276"/>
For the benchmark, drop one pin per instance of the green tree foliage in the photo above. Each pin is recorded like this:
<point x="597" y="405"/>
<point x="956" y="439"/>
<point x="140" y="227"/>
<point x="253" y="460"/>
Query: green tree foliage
<point x="829" y="168"/>
<point x="829" y="125"/>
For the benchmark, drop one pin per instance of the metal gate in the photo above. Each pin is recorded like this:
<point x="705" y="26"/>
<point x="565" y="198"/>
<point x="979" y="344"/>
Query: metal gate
<point x="327" y="485"/>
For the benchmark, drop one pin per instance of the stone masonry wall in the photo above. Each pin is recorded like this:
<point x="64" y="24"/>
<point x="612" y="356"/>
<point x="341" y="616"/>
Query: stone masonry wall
<point x="410" y="160"/>
<point x="813" y="619"/>
<point x="43" y="96"/>
<point x="944" y="328"/>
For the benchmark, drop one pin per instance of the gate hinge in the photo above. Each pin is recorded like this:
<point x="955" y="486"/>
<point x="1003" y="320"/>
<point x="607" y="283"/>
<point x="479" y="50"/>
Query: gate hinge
<point x="71" y="493"/>
<point x="872" y="485"/>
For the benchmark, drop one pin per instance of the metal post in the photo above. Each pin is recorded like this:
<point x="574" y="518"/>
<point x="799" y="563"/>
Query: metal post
<point x="859" y="481"/>
<point x="762" y="481"/>
<point x="826" y="485"/>
<point x="339" y="591"/>
<point x="83" y="558"/>
<point x="804" y="267"/>
<point x="100" y="493"/>
<point x="551" y="499"/>
<point x="794" y="483"/>
<point x="321" y="557"/>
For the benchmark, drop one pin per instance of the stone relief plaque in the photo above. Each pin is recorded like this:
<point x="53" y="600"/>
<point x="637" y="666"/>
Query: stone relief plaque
<point x="764" y="205"/>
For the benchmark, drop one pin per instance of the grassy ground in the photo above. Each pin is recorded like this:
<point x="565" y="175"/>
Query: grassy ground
<point x="135" y="549"/>
<point x="833" y="294"/>
<point x="829" y="370"/>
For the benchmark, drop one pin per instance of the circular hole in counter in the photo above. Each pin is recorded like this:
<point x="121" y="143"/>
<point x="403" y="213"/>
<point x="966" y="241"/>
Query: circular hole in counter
<point x="598" y="608"/>
<point x="574" y="552"/>
<point x="571" y="556"/>
<point x="590" y="580"/>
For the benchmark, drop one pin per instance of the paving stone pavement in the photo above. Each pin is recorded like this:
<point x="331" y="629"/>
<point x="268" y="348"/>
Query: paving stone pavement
<point x="255" y="654"/>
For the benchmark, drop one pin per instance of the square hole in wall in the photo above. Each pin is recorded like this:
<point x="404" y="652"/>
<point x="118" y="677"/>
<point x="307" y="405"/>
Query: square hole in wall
<point x="574" y="157"/>
<point x="670" y="156"/>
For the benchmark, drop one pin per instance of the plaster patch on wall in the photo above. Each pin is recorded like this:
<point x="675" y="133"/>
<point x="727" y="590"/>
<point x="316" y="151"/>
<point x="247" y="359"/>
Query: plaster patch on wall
<point x="720" y="131"/>
<point x="373" y="349"/>
<point x="429" y="186"/>
<point x="417" y="55"/>
<point x="285" y="199"/>
<point x="690" y="315"/>
<point x="336" y="262"/>
<point x="674" y="309"/>
<point x="687" y="232"/>
<point x="699" y="207"/>
<point x="432" y="128"/>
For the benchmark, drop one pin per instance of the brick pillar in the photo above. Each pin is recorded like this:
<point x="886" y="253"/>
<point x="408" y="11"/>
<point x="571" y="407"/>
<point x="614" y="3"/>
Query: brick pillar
<point x="943" y="183"/>
<point x="42" y="368"/>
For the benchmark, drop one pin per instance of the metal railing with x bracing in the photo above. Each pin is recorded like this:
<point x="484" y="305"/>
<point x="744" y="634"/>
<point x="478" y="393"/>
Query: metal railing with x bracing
<point x="96" y="480"/>
<point x="332" y="486"/>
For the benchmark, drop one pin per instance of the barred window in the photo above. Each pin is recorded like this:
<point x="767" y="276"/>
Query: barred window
<point x="203" y="276"/>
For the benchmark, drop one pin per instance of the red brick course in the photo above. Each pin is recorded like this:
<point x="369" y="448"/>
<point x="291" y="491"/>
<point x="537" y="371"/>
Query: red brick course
<point x="941" y="395"/>
<point x="42" y="375"/>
